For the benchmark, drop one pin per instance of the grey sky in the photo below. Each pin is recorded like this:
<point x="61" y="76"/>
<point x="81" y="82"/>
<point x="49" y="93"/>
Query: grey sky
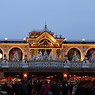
<point x="75" y="19"/>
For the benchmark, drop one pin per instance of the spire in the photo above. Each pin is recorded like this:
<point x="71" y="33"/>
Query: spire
<point x="45" y="28"/>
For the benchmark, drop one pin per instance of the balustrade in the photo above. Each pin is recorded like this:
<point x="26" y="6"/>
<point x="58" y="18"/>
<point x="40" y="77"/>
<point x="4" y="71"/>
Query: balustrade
<point x="53" y="63"/>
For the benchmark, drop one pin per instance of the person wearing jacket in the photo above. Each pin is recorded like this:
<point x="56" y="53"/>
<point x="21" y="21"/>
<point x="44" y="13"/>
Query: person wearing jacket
<point x="45" y="88"/>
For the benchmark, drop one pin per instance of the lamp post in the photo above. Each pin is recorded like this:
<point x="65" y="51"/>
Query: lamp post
<point x="25" y="75"/>
<point x="65" y="76"/>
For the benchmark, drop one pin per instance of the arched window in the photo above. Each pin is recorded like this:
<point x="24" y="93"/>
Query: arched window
<point x="15" y="54"/>
<point x="74" y="54"/>
<point x="91" y="54"/>
<point x="1" y="55"/>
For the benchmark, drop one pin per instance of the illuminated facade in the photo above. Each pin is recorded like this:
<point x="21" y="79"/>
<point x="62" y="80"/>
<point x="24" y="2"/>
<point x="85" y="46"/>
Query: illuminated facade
<point x="45" y="40"/>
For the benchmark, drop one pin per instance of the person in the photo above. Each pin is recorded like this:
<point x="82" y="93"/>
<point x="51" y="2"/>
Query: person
<point x="8" y="89"/>
<point x="64" y="88"/>
<point x="4" y="87"/>
<point x="92" y="90"/>
<point x="45" y="88"/>
<point x="35" y="88"/>
<point x="70" y="88"/>
<point x="74" y="89"/>
<point x="20" y="88"/>
<point x="29" y="88"/>
<point x="56" y="88"/>
<point x="39" y="86"/>
<point x="84" y="88"/>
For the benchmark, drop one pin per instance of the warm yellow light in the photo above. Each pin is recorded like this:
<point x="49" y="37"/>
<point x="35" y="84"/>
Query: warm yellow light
<point x="32" y="45"/>
<point x="65" y="75"/>
<point x="51" y="44"/>
<point x="6" y="39"/>
<point x="83" y="39"/>
<point x="24" y="39"/>
<point x="1" y="55"/>
<point x="25" y="75"/>
<point x="65" y="39"/>
<point x="53" y="39"/>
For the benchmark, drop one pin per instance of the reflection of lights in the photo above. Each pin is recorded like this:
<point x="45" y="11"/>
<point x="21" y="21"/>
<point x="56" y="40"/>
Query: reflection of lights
<point x="58" y="44"/>
<point x="53" y="39"/>
<point x="1" y="55"/>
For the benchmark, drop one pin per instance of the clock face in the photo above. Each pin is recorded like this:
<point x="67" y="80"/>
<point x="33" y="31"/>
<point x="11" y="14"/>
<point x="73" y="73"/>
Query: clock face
<point x="1" y="55"/>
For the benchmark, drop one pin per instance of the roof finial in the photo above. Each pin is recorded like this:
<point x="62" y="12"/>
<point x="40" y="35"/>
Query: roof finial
<point x="45" y="23"/>
<point x="56" y="35"/>
<point x="45" y="29"/>
<point x="60" y="35"/>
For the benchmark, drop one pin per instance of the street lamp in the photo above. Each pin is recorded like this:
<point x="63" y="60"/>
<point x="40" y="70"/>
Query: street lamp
<point x="24" y="39"/>
<point x="83" y="40"/>
<point x="65" y="75"/>
<point x="6" y="39"/>
<point x="25" y="76"/>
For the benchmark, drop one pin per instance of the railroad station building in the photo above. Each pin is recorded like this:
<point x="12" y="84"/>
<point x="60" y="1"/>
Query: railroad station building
<point x="45" y="53"/>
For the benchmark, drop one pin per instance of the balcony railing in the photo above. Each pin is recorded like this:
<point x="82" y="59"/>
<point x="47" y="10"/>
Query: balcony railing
<point x="57" y="64"/>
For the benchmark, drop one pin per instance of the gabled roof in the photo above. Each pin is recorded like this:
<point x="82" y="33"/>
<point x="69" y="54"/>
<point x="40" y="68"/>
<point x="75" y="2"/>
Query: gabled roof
<point x="46" y="35"/>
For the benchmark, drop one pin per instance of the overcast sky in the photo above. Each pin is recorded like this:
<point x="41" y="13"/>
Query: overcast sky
<point x="74" y="19"/>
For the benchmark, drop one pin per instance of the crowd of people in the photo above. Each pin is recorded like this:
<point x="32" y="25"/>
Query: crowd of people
<point x="23" y="87"/>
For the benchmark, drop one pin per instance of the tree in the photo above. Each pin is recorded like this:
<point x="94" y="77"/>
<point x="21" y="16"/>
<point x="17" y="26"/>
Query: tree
<point x="45" y="56"/>
<point x="15" y="58"/>
<point x="40" y="57"/>
<point x="75" y="58"/>
<point x="50" y="56"/>
<point x="34" y="56"/>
